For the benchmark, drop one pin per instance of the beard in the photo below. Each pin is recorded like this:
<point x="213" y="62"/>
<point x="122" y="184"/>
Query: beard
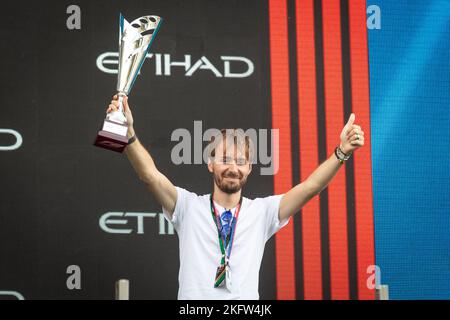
<point x="230" y="186"/>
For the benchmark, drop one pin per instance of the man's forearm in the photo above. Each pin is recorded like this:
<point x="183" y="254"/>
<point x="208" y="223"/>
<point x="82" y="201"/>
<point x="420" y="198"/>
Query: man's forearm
<point x="141" y="160"/>
<point x="322" y="176"/>
<point x="158" y="184"/>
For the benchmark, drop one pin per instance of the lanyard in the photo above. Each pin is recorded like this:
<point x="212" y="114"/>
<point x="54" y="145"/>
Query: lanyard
<point x="225" y="244"/>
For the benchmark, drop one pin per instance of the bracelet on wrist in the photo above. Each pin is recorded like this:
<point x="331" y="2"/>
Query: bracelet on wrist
<point x="132" y="139"/>
<point x="341" y="156"/>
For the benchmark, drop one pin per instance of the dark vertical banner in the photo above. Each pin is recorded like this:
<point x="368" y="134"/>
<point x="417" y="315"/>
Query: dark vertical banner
<point x="332" y="237"/>
<point x="349" y="174"/>
<point x="75" y="218"/>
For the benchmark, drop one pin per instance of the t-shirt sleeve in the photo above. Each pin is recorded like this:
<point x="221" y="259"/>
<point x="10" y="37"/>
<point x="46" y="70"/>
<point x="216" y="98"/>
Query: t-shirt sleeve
<point x="176" y="218"/>
<point x="273" y="223"/>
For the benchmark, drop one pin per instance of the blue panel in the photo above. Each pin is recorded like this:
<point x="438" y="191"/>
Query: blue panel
<point x="410" y="119"/>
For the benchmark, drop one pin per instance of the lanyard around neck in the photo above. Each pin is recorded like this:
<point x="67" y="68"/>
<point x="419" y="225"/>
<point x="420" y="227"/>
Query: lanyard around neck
<point x="224" y="243"/>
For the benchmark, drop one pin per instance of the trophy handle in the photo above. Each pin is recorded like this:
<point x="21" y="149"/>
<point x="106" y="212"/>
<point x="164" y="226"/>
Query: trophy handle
<point x="120" y="100"/>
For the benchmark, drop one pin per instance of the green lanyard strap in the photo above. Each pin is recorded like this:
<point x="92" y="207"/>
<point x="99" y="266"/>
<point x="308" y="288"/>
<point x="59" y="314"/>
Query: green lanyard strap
<point x="221" y="270"/>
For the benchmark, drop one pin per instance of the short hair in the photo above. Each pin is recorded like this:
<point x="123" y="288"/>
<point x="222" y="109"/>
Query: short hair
<point x="236" y="136"/>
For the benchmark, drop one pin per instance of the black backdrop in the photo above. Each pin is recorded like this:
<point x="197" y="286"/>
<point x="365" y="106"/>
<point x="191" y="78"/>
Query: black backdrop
<point x="56" y="186"/>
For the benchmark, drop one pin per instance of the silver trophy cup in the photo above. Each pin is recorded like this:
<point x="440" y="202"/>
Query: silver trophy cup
<point x="135" y="39"/>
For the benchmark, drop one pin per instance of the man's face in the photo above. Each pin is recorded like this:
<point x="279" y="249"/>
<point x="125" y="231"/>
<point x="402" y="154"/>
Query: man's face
<point x="230" y="168"/>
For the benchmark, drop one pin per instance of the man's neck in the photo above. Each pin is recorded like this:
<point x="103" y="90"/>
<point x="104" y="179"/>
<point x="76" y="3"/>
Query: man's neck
<point x="226" y="200"/>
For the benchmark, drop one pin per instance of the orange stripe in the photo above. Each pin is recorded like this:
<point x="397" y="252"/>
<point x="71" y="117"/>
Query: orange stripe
<point x="279" y="68"/>
<point x="334" y="105"/>
<point x="362" y="157"/>
<point x="312" y="261"/>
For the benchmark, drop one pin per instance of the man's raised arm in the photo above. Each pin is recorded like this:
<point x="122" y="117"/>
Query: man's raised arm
<point x="158" y="184"/>
<point x="352" y="138"/>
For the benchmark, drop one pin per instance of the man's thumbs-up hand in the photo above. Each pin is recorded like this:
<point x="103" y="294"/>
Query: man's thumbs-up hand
<point x="352" y="136"/>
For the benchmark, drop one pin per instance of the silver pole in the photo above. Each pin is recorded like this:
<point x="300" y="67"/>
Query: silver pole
<point x="122" y="289"/>
<point x="382" y="292"/>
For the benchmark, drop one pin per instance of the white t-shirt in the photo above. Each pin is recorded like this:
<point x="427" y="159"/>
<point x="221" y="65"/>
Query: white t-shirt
<point x="200" y="253"/>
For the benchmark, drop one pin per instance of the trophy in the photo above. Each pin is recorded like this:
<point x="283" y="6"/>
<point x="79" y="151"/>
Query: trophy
<point x="135" y="39"/>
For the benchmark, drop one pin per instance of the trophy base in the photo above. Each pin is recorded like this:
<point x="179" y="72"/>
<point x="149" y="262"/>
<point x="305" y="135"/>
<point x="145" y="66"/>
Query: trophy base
<point x="113" y="137"/>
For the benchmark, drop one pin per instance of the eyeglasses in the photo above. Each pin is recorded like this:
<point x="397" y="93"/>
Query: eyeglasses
<point x="230" y="160"/>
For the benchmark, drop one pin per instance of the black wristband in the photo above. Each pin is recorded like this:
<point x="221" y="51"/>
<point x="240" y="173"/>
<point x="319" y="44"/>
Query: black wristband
<point x="132" y="139"/>
<point x="341" y="156"/>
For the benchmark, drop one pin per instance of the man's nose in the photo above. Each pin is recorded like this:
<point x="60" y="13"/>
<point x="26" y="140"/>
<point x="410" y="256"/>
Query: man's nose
<point x="233" y="164"/>
<point x="232" y="168"/>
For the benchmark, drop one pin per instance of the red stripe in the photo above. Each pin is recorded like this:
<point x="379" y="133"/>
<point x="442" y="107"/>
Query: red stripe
<point x="362" y="158"/>
<point x="279" y="68"/>
<point x="334" y="105"/>
<point x="312" y="260"/>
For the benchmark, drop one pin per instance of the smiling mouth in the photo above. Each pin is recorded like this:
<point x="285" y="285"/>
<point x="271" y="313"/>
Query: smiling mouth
<point x="231" y="178"/>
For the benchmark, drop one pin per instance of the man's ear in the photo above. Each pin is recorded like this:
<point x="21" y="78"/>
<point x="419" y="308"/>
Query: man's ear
<point x="251" y="167"/>
<point x="210" y="166"/>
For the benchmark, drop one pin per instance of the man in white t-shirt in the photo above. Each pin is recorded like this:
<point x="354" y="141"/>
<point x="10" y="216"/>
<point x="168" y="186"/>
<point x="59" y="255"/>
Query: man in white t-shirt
<point x="222" y="235"/>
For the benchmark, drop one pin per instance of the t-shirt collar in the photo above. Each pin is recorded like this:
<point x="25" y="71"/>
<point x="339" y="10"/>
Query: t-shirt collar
<point x="221" y="209"/>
